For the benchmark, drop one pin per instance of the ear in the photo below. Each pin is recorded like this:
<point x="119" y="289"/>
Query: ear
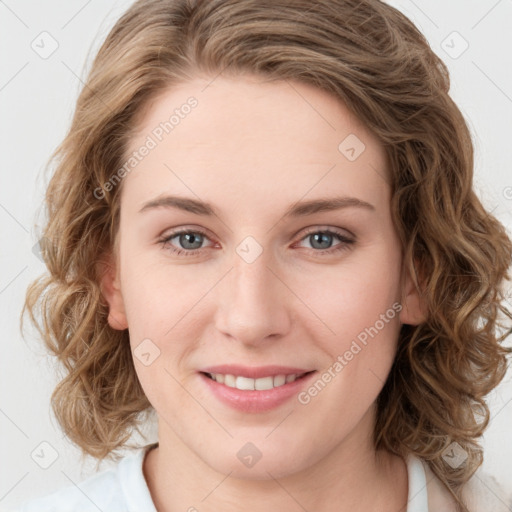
<point x="111" y="291"/>
<point x="414" y="309"/>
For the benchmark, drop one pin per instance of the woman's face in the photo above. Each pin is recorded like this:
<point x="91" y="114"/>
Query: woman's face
<point x="269" y="283"/>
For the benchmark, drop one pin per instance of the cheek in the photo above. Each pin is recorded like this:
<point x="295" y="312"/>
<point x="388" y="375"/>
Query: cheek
<point x="166" y="317"/>
<point x="157" y="295"/>
<point x="362" y="313"/>
<point x="351" y="297"/>
<point x="359" y="305"/>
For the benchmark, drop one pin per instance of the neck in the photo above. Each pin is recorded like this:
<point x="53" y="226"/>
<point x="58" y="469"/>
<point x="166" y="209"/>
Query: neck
<point x="352" y="477"/>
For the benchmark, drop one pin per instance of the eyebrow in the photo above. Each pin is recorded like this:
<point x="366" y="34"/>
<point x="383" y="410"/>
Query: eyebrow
<point x="299" y="209"/>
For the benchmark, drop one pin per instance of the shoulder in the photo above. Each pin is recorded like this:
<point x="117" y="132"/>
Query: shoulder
<point x="100" y="491"/>
<point x="481" y="492"/>
<point x="110" y="490"/>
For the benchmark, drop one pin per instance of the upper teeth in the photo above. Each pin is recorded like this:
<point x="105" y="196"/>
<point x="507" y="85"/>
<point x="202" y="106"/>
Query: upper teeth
<point x="246" y="383"/>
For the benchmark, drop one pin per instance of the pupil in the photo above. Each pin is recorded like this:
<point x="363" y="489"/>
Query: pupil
<point x="321" y="238"/>
<point x="190" y="238"/>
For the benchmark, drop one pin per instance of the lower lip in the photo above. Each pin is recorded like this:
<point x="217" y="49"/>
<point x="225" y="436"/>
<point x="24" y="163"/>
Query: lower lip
<point x="256" y="401"/>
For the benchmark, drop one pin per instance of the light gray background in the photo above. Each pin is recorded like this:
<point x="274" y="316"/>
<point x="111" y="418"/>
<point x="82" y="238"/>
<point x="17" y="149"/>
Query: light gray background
<point x="37" y="97"/>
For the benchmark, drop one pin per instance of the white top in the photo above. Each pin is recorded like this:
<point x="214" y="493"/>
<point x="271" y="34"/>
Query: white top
<point x="124" y="489"/>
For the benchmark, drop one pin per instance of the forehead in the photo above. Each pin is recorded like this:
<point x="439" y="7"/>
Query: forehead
<point x="246" y="136"/>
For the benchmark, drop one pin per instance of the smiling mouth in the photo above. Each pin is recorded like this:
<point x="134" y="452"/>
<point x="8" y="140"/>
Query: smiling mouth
<point x="261" y="384"/>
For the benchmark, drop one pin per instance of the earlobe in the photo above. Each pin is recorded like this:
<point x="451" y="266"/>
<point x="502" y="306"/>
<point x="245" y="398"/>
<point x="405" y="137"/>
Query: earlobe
<point x="414" y="309"/>
<point x="111" y="291"/>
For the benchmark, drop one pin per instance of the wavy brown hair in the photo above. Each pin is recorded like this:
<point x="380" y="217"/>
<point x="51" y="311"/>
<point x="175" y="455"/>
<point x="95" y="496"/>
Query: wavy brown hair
<point x="371" y="57"/>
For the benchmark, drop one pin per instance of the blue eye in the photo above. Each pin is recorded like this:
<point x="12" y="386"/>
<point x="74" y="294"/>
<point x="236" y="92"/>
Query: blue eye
<point x="191" y="241"/>
<point x="323" y="240"/>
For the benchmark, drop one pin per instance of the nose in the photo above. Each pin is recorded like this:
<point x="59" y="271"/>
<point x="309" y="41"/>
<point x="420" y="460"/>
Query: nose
<point x="253" y="303"/>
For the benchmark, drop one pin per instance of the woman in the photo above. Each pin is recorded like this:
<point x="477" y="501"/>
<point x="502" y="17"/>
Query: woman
<point x="262" y="227"/>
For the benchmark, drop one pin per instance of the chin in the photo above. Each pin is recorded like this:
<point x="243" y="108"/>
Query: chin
<point x="259" y="459"/>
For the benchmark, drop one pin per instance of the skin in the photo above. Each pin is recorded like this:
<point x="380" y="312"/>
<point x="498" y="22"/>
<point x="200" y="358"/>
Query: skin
<point x="251" y="149"/>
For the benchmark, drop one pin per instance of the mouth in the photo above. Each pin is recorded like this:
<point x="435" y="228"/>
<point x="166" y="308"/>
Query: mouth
<point x="251" y="384"/>
<point x="255" y="390"/>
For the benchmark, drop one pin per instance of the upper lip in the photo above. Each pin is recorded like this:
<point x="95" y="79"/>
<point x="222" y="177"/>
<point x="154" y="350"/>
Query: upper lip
<point x="254" y="372"/>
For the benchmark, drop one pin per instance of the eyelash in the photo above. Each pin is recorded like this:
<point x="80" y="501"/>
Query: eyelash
<point x="343" y="246"/>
